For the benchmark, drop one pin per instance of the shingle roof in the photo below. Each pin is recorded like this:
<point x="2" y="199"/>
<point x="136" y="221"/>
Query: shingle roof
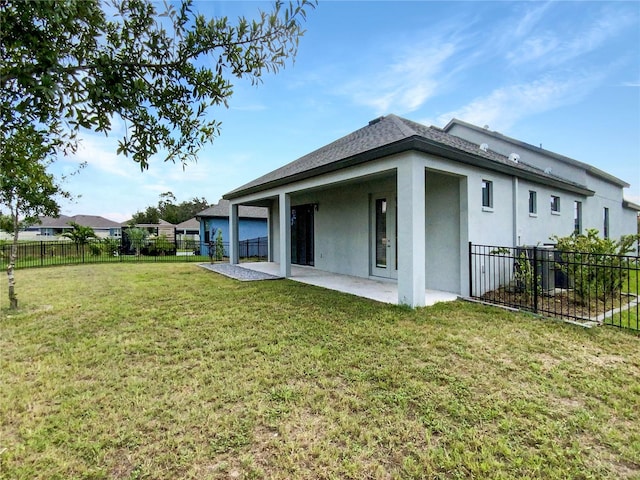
<point x="386" y="135"/>
<point x="222" y="210"/>
<point x="63" y="221"/>
<point x="191" y="224"/>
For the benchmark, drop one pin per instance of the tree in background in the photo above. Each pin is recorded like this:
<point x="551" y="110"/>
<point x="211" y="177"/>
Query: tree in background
<point x="137" y="237"/>
<point x="169" y="211"/>
<point x="80" y="235"/>
<point x="27" y="190"/>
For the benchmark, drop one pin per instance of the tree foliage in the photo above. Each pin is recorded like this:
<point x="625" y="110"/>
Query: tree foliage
<point x="137" y="238"/>
<point x="69" y="65"/>
<point x="170" y="211"/>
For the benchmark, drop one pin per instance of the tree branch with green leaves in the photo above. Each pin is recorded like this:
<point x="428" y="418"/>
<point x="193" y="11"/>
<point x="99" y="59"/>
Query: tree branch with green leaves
<point x="70" y="65"/>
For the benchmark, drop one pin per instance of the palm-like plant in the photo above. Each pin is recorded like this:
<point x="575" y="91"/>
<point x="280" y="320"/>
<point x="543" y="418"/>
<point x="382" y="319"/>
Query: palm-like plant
<point x="80" y="234"/>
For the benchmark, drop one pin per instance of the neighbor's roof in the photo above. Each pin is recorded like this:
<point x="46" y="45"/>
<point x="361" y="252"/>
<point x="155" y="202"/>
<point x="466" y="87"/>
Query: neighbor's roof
<point x="389" y="135"/>
<point x="161" y="223"/>
<point x="589" y="168"/>
<point x="191" y="224"/>
<point x="222" y="210"/>
<point x="64" y="221"/>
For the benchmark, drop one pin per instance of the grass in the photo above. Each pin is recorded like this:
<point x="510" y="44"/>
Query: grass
<point x="164" y="371"/>
<point x="628" y="318"/>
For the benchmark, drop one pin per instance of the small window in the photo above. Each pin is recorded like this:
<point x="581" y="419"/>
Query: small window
<point x="487" y="193"/>
<point x="605" y="220"/>
<point x="555" y="204"/>
<point x="577" y="217"/>
<point x="533" y="202"/>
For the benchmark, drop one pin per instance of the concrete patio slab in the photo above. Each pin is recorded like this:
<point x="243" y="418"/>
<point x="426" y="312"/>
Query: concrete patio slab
<point x="379" y="290"/>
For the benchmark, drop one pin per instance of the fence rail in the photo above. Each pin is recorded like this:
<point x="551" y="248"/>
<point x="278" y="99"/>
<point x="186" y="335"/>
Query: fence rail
<point x="577" y="286"/>
<point x="112" y="250"/>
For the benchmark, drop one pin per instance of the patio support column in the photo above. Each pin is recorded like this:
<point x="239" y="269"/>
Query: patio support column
<point x="411" y="233"/>
<point x="234" y="257"/>
<point x="285" y="234"/>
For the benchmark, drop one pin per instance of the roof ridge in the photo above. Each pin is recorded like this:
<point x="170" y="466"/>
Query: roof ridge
<point x="401" y="123"/>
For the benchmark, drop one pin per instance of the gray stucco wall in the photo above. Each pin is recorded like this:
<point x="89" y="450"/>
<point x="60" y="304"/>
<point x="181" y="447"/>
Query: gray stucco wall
<point x="442" y="232"/>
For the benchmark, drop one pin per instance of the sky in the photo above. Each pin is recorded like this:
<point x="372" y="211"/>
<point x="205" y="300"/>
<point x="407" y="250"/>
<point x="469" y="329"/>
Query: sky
<point x="564" y="75"/>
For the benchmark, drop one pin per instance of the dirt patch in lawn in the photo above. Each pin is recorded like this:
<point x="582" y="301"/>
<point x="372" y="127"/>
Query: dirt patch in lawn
<point x="561" y="303"/>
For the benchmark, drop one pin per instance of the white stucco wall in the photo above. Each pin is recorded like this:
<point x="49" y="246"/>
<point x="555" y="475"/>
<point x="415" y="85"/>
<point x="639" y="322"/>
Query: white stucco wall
<point x="454" y="215"/>
<point x="607" y="194"/>
<point x="531" y="157"/>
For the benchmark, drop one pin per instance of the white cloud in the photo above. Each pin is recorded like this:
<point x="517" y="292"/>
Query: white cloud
<point x="100" y="152"/>
<point x="529" y="21"/>
<point x="505" y="106"/>
<point x="405" y="83"/>
<point x="533" y="49"/>
<point x="556" y="46"/>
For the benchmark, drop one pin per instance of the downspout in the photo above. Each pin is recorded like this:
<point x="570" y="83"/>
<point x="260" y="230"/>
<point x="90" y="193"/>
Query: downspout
<point x="516" y="229"/>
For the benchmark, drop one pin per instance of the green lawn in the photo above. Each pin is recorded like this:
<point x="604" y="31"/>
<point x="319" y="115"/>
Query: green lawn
<point x="166" y="371"/>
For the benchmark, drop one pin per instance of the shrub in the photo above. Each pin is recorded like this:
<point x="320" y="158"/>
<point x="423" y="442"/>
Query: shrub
<point x="95" y="249"/>
<point x="597" y="266"/>
<point x="219" y="250"/>
<point x="111" y="246"/>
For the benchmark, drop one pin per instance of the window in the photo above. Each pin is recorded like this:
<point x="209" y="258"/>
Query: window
<point x="577" y="217"/>
<point x="555" y="204"/>
<point x="533" y="202"/>
<point x="487" y="193"/>
<point x="605" y="219"/>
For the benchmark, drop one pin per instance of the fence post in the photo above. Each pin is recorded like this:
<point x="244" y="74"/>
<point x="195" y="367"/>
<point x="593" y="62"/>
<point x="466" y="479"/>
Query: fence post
<point x="535" y="279"/>
<point x="42" y="253"/>
<point x="470" y="269"/>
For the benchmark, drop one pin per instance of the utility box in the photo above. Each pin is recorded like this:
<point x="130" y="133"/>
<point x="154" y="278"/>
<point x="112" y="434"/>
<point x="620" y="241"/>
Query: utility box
<point x="544" y="268"/>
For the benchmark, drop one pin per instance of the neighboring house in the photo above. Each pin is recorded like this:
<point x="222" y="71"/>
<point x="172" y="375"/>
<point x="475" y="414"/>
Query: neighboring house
<point x="49" y="228"/>
<point x="155" y="229"/>
<point x="252" y="223"/>
<point x="188" y="230"/>
<point x="401" y="201"/>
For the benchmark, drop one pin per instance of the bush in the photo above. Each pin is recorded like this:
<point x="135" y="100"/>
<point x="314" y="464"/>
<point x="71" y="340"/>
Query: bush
<point x="95" y="249"/>
<point x="597" y="266"/>
<point x="111" y="246"/>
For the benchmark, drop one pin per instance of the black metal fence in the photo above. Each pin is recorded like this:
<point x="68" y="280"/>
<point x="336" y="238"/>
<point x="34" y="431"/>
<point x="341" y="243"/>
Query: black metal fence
<point x="578" y="286"/>
<point x="110" y="250"/>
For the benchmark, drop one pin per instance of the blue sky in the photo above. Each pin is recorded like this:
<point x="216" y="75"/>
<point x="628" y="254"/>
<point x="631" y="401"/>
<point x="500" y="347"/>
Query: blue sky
<point x="562" y="74"/>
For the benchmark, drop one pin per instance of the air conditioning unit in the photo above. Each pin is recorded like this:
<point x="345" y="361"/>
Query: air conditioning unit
<point x="544" y="268"/>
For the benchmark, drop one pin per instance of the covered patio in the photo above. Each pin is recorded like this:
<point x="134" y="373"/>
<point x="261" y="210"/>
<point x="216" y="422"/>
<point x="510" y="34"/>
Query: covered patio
<point x="379" y="290"/>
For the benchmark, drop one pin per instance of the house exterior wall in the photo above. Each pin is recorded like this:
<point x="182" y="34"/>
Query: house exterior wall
<point x="248" y="228"/>
<point x="607" y="194"/>
<point x="454" y="215"/>
<point x="442" y="230"/>
<point x="540" y="160"/>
